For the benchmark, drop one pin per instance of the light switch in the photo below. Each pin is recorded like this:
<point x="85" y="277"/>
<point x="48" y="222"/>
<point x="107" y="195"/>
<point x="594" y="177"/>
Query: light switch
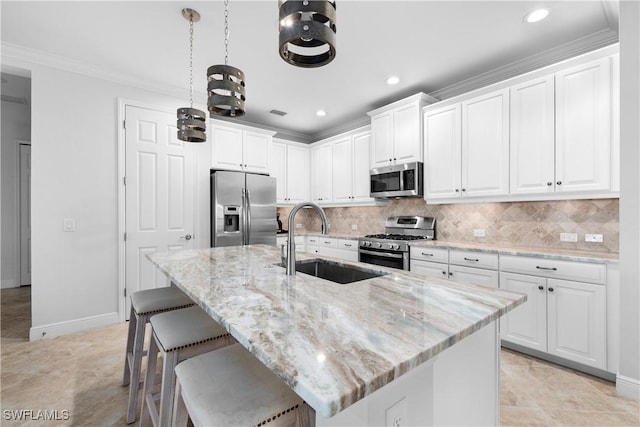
<point x="69" y="224"/>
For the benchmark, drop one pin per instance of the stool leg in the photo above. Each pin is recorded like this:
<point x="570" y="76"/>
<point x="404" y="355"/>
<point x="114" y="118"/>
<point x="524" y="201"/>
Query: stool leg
<point x="136" y="362"/>
<point x="130" y="338"/>
<point x="168" y="387"/>
<point x="180" y="416"/>
<point x="149" y="416"/>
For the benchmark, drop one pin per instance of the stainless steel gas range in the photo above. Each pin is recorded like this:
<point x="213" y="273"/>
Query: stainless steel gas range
<point x="391" y="249"/>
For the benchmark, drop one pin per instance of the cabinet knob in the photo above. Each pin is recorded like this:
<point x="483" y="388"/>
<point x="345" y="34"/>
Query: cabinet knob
<point x="444" y="273"/>
<point x="541" y="287"/>
<point x="394" y="159"/>
<point x="558" y="182"/>
<point x="390" y="160"/>
<point x="550" y="289"/>
<point x="450" y="274"/>
<point x="464" y="189"/>
<point x="549" y="183"/>
<point x="457" y="191"/>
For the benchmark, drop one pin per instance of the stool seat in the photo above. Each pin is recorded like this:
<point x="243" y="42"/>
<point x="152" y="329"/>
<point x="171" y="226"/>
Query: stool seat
<point x="177" y="335"/>
<point x="144" y="304"/>
<point x="231" y="387"/>
<point x="159" y="299"/>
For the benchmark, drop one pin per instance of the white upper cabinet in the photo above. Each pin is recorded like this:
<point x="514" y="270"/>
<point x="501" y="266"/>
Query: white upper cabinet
<point x="396" y="131"/>
<point x="442" y="130"/>
<point x="583" y="127"/>
<point x="361" y="153"/>
<point x="467" y="148"/>
<point x="485" y="145"/>
<point x="322" y="174"/>
<point x="351" y="169"/>
<point x="290" y="167"/>
<point x="342" y="170"/>
<point x="532" y="137"/>
<point x="240" y="148"/>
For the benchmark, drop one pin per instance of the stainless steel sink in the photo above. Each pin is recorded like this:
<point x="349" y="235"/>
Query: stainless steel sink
<point x="335" y="272"/>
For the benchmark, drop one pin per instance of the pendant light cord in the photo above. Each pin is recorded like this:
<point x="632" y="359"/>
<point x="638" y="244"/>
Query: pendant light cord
<point x="191" y="62"/>
<point x="226" y="32"/>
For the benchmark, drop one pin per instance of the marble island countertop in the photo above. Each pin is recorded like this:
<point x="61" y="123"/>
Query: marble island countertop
<point x="334" y="344"/>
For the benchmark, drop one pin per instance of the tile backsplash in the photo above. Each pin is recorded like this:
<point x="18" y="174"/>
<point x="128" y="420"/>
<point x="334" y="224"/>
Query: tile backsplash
<point x="536" y="224"/>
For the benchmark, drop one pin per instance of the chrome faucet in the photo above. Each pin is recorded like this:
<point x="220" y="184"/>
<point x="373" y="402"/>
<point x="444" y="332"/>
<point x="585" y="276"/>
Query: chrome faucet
<point x="291" y="241"/>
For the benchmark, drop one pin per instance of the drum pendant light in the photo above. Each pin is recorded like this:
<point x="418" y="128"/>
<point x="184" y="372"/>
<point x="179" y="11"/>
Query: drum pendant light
<point x="226" y="86"/>
<point x="307" y="32"/>
<point x="191" y="121"/>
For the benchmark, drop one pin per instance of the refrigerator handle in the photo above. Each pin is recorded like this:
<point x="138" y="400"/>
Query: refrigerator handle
<point x="248" y="216"/>
<point x="243" y="219"/>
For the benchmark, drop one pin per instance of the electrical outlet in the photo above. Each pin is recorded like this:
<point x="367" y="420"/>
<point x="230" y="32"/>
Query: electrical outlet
<point x="593" y="238"/>
<point x="396" y="415"/>
<point x="354" y="227"/>
<point x="479" y="233"/>
<point x="298" y="225"/>
<point x="69" y="224"/>
<point x="569" y="237"/>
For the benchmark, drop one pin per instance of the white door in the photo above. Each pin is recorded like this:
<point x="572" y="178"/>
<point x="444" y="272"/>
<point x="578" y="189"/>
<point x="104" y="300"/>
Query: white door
<point x="485" y="145"/>
<point x="577" y="322"/>
<point x="442" y="140"/>
<point x="25" y="215"/>
<point x="526" y="324"/>
<point x="159" y="194"/>
<point x="342" y="171"/>
<point x="532" y="154"/>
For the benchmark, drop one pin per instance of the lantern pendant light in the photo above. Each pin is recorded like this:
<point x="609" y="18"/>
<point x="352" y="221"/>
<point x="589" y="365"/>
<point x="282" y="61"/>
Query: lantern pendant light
<point x="191" y="121"/>
<point x="307" y="32"/>
<point x="226" y="86"/>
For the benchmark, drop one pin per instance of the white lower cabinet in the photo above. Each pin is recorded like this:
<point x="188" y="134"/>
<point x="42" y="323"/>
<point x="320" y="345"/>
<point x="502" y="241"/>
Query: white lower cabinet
<point x="300" y="243"/>
<point x="461" y="266"/>
<point x="345" y="249"/>
<point x="561" y="317"/>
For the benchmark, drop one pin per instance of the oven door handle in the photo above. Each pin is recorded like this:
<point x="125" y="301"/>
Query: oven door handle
<point x="381" y="254"/>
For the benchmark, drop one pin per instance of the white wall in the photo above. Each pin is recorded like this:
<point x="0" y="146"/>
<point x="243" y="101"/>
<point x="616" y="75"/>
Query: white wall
<point x="628" y="382"/>
<point x="16" y="125"/>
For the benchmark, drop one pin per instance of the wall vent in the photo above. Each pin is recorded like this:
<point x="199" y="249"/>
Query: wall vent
<point x="278" y="112"/>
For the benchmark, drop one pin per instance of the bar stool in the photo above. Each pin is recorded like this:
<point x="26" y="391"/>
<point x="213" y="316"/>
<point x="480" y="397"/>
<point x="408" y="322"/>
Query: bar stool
<point x="144" y="304"/>
<point x="230" y="387"/>
<point x="177" y="335"/>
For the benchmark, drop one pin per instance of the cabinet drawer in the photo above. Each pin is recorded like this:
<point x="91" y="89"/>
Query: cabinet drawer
<point x="474" y="259"/>
<point x="326" y="242"/>
<point x="476" y="276"/>
<point x="429" y="269"/>
<point x="350" y="245"/>
<point x="429" y="254"/>
<point x="568" y="270"/>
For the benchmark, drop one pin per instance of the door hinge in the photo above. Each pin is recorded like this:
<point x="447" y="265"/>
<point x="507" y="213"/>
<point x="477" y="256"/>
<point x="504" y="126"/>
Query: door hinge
<point x="124" y="180"/>
<point x="125" y="237"/>
<point x="124" y="124"/>
<point x="125" y="292"/>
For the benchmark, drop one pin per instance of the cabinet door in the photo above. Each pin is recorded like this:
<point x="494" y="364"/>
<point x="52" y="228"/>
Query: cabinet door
<point x="256" y="152"/>
<point x="429" y="269"/>
<point x="361" y="186"/>
<point x="342" y="162"/>
<point x="226" y="148"/>
<point x="485" y="145"/>
<point x="407" y="134"/>
<point x="527" y="324"/>
<point x="532" y="156"/>
<point x="279" y="171"/>
<point x="442" y="140"/>
<point x="382" y="139"/>
<point x="297" y="174"/>
<point x="321" y="171"/>
<point x="577" y="322"/>
<point x="583" y="127"/>
<point x="475" y="276"/>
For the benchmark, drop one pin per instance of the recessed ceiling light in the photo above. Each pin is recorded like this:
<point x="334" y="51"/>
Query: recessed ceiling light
<point x="321" y="113"/>
<point x="393" y="80"/>
<point x="536" y="16"/>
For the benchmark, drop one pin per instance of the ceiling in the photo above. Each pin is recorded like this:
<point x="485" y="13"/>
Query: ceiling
<point x="437" y="47"/>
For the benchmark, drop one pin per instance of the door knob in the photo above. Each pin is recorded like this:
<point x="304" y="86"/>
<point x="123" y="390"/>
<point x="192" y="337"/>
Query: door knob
<point x="186" y="237"/>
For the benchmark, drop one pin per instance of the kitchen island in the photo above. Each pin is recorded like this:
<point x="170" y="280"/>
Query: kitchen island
<point x="396" y="348"/>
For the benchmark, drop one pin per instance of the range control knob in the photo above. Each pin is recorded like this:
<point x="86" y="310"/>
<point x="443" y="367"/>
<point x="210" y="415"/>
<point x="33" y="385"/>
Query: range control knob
<point x="378" y="244"/>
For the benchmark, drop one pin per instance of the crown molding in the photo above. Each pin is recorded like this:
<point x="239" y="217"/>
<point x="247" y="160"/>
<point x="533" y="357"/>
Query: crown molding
<point x="557" y="54"/>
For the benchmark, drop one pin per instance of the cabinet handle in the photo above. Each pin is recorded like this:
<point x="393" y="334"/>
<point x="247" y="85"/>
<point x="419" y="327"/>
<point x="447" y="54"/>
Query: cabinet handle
<point x="546" y="268"/>
<point x="550" y="289"/>
<point x="348" y="245"/>
<point x="549" y="183"/>
<point x="471" y="259"/>
<point x="457" y="191"/>
<point x="422" y="253"/>
<point x="327" y="243"/>
<point x="558" y="182"/>
<point x="541" y="287"/>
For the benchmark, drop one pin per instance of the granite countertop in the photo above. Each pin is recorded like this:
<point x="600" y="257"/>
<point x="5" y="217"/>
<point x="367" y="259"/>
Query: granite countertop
<point x="333" y="344"/>
<point x="550" y="253"/>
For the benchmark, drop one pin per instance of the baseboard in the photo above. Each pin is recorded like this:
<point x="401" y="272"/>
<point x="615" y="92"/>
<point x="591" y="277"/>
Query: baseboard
<point x="9" y="283"/>
<point x="70" y="326"/>
<point x="628" y="387"/>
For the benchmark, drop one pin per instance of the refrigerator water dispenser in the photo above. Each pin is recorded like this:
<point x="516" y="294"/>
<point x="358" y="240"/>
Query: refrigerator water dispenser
<point x="231" y="219"/>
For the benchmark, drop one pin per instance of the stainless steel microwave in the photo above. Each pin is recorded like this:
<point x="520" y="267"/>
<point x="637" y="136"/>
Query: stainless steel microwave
<point x="404" y="180"/>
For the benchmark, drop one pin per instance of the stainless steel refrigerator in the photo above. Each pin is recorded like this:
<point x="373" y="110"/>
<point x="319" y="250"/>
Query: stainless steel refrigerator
<point x="243" y="209"/>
